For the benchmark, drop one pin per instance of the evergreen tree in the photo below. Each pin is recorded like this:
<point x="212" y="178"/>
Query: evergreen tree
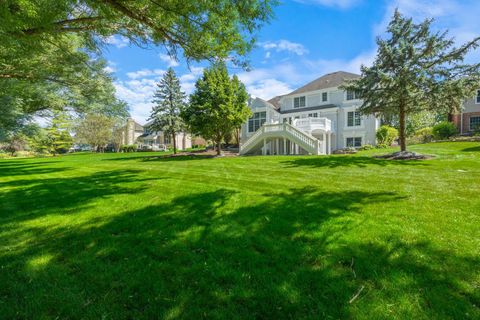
<point x="169" y="102"/>
<point x="415" y="70"/>
<point x="58" y="138"/>
<point x="218" y="105"/>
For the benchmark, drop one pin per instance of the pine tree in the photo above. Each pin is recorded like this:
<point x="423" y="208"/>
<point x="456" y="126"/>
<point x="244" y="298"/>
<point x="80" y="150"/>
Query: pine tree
<point x="169" y="102"/>
<point x="218" y="105"/>
<point x="58" y="138"/>
<point x="416" y="70"/>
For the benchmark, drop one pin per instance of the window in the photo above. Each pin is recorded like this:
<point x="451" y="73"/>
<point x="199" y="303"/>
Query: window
<point x="324" y="96"/>
<point x="167" y="139"/>
<point x="354" y="142"/>
<point x="353" y="119"/>
<point x="313" y="115"/>
<point x="299" y="102"/>
<point x="474" y="123"/>
<point x="255" y="122"/>
<point x="478" y="96"/>
<point x="352" y="95"/>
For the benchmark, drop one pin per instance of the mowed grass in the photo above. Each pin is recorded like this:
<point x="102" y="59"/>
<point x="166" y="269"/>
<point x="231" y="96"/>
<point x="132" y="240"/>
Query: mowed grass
<point x="141" y="236"/>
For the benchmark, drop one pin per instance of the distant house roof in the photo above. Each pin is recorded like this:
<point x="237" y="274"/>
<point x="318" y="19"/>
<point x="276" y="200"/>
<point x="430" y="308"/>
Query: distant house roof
<point x="330" y="80"/>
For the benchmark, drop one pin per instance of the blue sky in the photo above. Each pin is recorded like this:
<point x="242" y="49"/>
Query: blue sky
<point x="306" y="39"/>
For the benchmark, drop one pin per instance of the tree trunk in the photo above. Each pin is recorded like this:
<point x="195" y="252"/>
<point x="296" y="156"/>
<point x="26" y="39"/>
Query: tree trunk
<point x="174" y="143"/>
<point x="403" y="144"/>
<point x="219" y="147"/>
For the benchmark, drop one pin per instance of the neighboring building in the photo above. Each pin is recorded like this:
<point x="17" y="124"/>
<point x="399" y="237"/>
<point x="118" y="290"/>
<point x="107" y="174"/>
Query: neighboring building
<point x="147" y="139"/>
<point x="469" y="119"/>
<point x="133" y="130"/>
<point x="314" y="119"/>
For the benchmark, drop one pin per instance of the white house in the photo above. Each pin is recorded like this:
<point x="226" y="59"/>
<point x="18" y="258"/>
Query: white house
<point x="314" y="119"/>
<point x="149" y="139"/>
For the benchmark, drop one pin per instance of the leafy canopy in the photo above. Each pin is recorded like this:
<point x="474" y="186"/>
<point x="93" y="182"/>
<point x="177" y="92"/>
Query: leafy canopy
<point x="415" y="70"/>
<point x="217" y="106"/>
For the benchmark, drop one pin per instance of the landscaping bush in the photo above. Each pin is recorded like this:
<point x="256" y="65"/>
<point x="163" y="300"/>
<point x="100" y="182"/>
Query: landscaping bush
<point x="444" y="130"/>
<point x="386" y="135"/>
<point x="381" y="146"/>
<point x="366" y="147"/>
<point x="424" y="135"/>
<point x="128" y="148"/>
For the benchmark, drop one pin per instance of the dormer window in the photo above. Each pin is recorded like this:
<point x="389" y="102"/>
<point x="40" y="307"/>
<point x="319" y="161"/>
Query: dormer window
<point x="299" y="102"/>
<point x="352" y="95"/>
<point x="478" y="97"/>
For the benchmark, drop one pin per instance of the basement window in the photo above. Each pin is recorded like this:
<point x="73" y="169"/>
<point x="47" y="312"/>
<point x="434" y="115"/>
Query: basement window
<point x="354" y="142"/>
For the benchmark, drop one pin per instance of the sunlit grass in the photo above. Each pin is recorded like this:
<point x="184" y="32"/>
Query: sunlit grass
<point x="142" y="236"/>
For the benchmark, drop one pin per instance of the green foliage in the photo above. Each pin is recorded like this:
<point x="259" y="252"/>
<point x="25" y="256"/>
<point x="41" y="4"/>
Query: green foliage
<point x="382" y="146"/>
<point x="58" y="139"/>
<point x="444" y="130"/>
<point x="366" y="147"/>
<point x="95" y="130"/>
<point x="129" y="148"/>
<point x="169" y="102"/>
<point x="14" y="144"/>
<point x="218" y="105"/>
<point x="415" y="70"/>
<point x="425" y="135"/>
<point x="83" y="236"/>
<point x="386" y="135"/>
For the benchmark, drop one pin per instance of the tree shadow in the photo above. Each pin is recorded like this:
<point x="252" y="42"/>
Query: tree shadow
<point x="17" y="168"/>
<point x="165" y="158"/>
<point x="347" y="161"/>
<point x="472" y="149"/>
<point x="204" y="256"/>
<point x="30" y="198"/>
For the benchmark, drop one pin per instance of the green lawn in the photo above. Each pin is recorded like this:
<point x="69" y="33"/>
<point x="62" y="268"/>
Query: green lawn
<point x="134" y="236"/>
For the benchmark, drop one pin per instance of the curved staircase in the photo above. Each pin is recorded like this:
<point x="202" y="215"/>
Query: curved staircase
<point x="283" y="131"/>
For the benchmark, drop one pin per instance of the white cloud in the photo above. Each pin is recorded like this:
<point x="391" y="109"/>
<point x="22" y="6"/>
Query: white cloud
<point x="171" y="62"/>
<point x="145" y="73"/>
<point x="117" y="41"/>
<point x="138" y="90"/>
<point x="284" y="45"/>
<point x="342" y="4"/>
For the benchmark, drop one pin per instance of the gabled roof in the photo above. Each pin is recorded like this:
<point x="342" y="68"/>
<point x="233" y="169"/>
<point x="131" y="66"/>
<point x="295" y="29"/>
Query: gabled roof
<point x="330" y="80"/>
<point x="275" y="102"/>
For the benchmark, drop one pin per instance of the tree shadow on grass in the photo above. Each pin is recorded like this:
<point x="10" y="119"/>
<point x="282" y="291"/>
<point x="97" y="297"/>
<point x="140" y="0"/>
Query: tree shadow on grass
<point x="347" y="161"/>
<point x="17" y="168"/>
<point x="30" y="198"/>
<point x="472" y="149"/>
<point x="202" y="256"/>
<point x="164" y="158"/>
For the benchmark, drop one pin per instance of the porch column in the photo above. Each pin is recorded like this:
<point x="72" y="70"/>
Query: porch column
<point x="324" y="144"/>
<point x="296" y="148"/>
<point x="284" y="146"/>
<point x="329" y="143"/>
<point x="264" y="149"/>
<point x="277" y="151"/>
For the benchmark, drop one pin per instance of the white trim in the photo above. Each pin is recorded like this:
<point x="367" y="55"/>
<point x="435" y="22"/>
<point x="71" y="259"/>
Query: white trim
<point x="345" y="119"/>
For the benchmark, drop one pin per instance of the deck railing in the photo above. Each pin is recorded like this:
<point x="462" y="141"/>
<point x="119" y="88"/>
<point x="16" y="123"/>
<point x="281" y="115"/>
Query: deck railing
<point x="308" y="140"/>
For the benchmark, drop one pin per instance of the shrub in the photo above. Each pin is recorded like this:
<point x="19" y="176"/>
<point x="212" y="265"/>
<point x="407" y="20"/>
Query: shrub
<point x="381" y="146"/>
<point x="386" y="135"/>
<point x="444" y="130"/>
<point x="366" y="147"/>
<point x="424" y="135"/>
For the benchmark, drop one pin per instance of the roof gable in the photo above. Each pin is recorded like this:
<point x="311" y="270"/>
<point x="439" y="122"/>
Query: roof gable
<point x="330" y="80"/>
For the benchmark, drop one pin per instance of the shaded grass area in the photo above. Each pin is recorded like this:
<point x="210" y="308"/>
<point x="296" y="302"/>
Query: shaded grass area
<point x="140" y="237"/>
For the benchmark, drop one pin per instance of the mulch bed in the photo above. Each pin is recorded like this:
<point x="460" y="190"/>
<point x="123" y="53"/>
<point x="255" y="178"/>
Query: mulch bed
<point x="404" y="155"/>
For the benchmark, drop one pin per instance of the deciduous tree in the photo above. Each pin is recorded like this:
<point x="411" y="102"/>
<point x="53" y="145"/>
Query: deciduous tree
<point x="217" y="106"/>
<point x="95" y="130"/>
